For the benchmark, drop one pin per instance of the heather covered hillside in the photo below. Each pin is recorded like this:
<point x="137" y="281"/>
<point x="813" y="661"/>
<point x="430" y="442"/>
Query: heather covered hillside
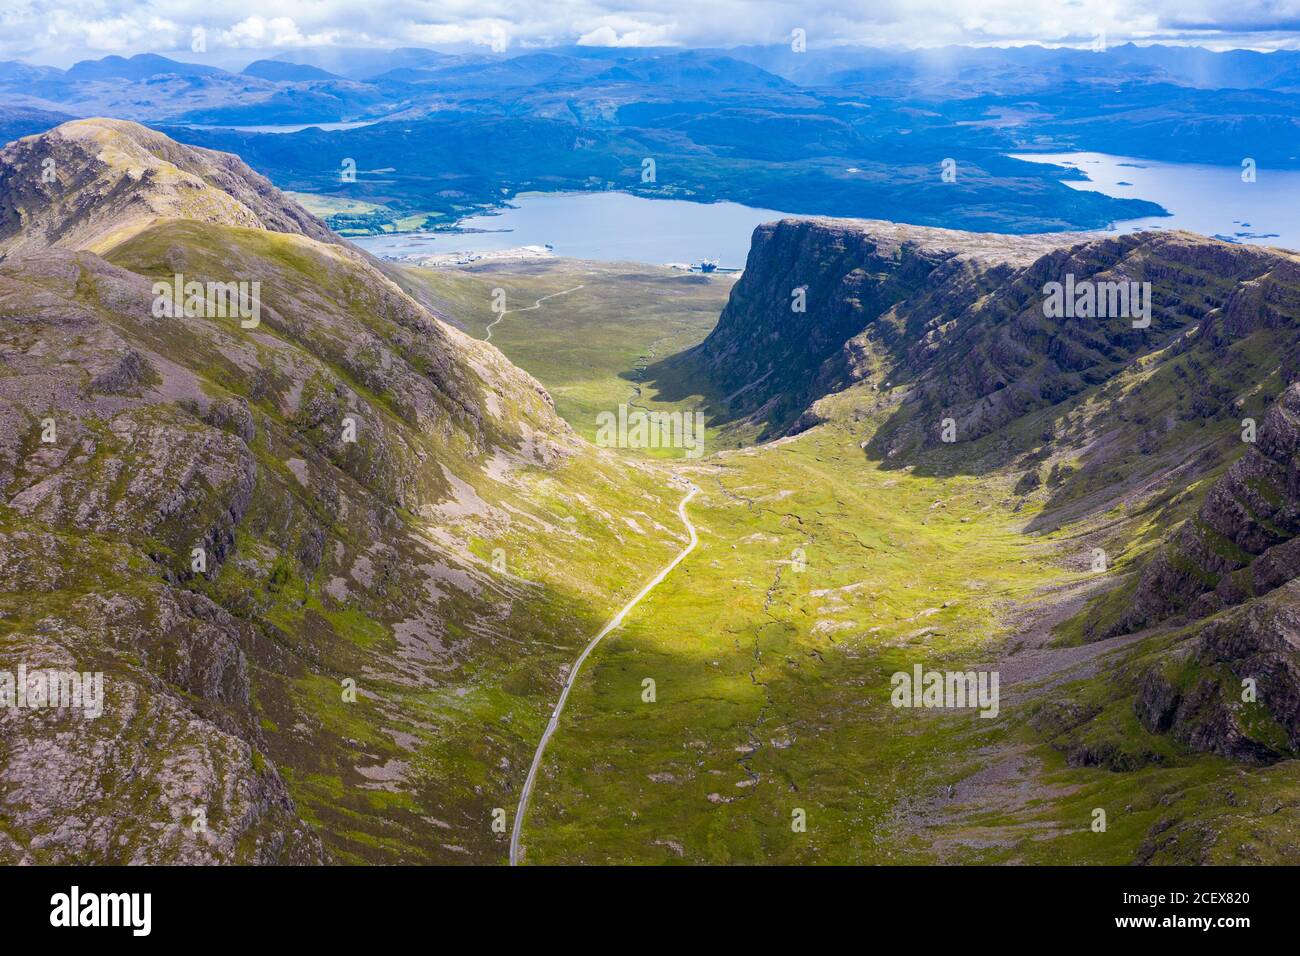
<point x="308" y="554"/>
<point x="584" y="435"/>
<point x="948" y="475"/>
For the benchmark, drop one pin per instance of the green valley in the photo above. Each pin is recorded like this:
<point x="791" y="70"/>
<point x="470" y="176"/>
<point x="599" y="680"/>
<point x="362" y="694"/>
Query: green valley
<point x="743" y="712"/>
<point x="344" y="554"/>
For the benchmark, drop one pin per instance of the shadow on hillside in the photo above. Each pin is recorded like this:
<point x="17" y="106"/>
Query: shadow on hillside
<point x="1085" y="470"/>
<point x="679" y="378"/>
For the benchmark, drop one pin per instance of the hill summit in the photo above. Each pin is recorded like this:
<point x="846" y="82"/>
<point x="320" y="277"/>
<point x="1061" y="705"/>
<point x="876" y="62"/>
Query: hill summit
<point x="89" y="184"/>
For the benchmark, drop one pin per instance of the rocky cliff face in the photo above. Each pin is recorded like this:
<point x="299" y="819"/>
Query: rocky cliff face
<point x="958" y="318"/>
<point x="825" y="303"/>
<point x="1231" y="577"/>
<point x="1244" y="540"/>
<point x="1002" y="358"/>
<point x="94" y="530"/>
<point x="1108" y="421"/>
<point x="1233" y="690"/>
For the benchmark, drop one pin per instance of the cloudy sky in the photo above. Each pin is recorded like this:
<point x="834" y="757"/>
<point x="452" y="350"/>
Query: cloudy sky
<point x="60" y="32"/>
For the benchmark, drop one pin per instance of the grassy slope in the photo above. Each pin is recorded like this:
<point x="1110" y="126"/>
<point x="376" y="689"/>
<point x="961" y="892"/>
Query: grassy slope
<point x="412" y="771"/>
<point x="772" y="683"/>
<point x="766" y="705"/>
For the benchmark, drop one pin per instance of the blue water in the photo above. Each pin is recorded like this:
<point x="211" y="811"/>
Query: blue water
<point x="613" y="226"/>
<point x="1211" y="200"/>
<point x="608" y="226"/>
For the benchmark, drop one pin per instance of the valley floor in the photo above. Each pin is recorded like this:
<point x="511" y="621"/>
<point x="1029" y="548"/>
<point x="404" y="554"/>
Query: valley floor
<point x="742" y="713"/>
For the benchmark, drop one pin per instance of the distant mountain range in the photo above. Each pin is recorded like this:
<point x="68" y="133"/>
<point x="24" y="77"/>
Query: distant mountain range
<point x="840" y="131"/>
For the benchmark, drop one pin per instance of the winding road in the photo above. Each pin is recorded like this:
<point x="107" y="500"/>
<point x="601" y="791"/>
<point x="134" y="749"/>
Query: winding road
<point x="617" y="620"/>
<point x="535" y="305"/>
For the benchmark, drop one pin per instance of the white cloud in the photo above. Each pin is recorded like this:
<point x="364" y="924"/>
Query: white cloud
<point x="628" y="31"/>
<point x="277" y="33"/>
<point x="491" y="33"/>
<point x="59" y="31"/>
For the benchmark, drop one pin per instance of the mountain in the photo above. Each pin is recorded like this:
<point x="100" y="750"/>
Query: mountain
<point x="329" y="553"/>
<point x="16" y="123"/>
<point x="109" y="179"/>
<point x="844" y="131"/>
<point x="488" y="77"/>
<point x="362" y="63"/>
<point x="148" y="87"/>
<point x="933" y="308"/>
<point x="279" y="71"/>
<point x="813" y="288"/>
<point x="14" y="71"/>
<point x="142" y="66"/>
<point x="966" y="71"/>
<point x="1167" y="437"/>
<point x="1244" y="541"/>
<point x="695" y="70"/>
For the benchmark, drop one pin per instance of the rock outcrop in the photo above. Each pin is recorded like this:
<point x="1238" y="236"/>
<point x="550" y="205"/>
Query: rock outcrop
<point x="959" y="320"/>
<point x="1234" y="689"/>
<point x="824" y="303"/>
<point x="1244" y="541"/>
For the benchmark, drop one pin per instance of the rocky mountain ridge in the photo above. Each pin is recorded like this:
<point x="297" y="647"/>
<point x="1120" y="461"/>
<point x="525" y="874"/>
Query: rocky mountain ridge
<point x="89" y="184"/>
<point x="1171" y="444"/>
<point x="275" y="542"/>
